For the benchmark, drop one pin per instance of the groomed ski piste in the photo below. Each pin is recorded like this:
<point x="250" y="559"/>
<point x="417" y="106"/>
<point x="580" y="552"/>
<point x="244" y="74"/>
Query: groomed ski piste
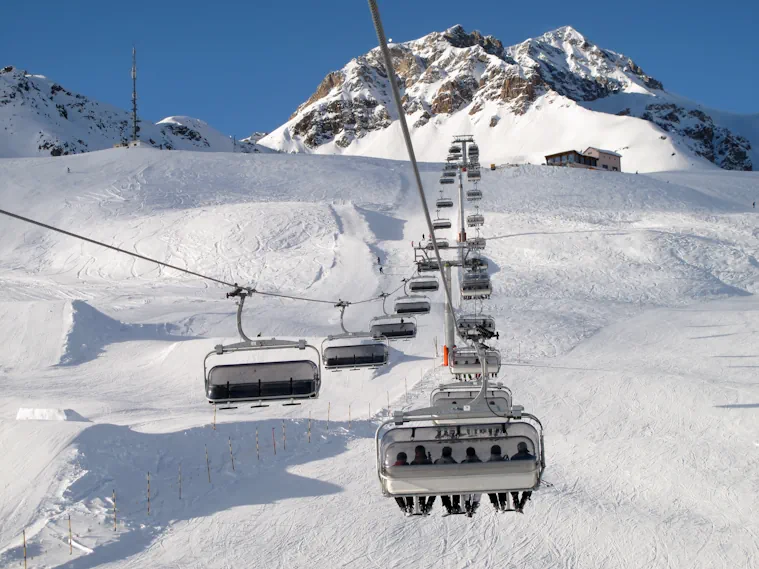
<point x="628" y="325"/>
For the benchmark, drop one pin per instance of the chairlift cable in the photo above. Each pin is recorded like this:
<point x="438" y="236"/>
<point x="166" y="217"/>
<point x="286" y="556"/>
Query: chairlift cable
<point x="382" y="39"/>
<point x="250" y="290"/>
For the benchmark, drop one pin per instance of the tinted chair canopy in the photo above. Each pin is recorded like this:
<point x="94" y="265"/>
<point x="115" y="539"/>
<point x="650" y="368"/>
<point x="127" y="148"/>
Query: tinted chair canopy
<point x="462" y="477"/>
<point x="394" y="326"/>
<point x="413" y="304"/>
<point x="354" y="351"/>
<point x="423" y="284"/>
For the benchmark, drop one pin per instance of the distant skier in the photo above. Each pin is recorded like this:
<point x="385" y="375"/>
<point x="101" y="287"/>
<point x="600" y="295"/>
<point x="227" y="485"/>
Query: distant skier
<point x="378" y="260"/>
<point x="381" y="270"/>
<point x="422" y="236"/>
<point x="68" y="170"/>
<point x="754" y="205"/>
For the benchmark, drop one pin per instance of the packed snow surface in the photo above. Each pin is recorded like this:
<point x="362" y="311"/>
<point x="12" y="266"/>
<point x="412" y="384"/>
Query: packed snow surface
<point x="628" y="326"/>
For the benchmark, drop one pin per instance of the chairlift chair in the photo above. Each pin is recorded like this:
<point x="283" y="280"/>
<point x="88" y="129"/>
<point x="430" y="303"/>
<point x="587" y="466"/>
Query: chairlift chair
<point x="441" y="244"/>
<point x="475" y="220"/>
<point x="473" y="195"/>
<point x="447" y="181"/>
<point x="454" y="149"/>
<point x="423" y="284"/>
<point x="466" y="361"/>
<point x="449" y="166"/>
<point x="453" y="157"/>
<point x="412" y="304"/>
<point x="476" y="263"/>
<point x="436" y="428"/>
<point x="449" y="174"/>
<point x="473" y="175"/>
<point x="476" y="326"/>
<point x="474" y="150"/>
<point x="394" y="326"/>
<point x="241" y="380"/>
<point x="475" y="243"/>
<point x="441" y="223"/>
<point x="475" y="285"/>
<point x="354" y="350"/>
<point x="444" y="202"/>
<point x="427" y="265"/>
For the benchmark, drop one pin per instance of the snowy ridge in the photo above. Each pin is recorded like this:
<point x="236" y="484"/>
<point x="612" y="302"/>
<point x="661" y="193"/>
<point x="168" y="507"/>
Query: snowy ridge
<point x="517" y="100"/>
<point x="42" y="118"/>
<point x="627" y="311"/>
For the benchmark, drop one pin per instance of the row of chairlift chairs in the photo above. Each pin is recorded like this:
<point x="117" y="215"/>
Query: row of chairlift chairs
<point x="228" y="382"/>
<point x="463" y="415"/>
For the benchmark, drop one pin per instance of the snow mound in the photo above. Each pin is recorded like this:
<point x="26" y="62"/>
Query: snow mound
<point x="32" y="414"/>
<point x="90" y="331"/>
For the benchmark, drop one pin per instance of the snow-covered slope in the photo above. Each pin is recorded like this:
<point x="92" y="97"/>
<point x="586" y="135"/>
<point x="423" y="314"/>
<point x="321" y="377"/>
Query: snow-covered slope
<point x="41" y="117"/>
<point x="552" y="93"/>
<point x="628" y="325"/>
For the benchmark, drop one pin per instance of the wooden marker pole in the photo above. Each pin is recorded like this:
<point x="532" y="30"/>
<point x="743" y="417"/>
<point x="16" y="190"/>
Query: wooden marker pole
<point x="370" y="410"/>
<point x="349" y="416"/>
<point x="148" y="492"/>
<point x="24" y="534"/>
<point x="405" y="384"/>
<point x="114" y="510"/>
<point x="214" y="417"/>
<point x="71" y="538"/>
<point x="180" y="480"/>
<point x="258" y="448"/>
<point x="284" y="436"/>
<point x="329" y="408"/>
<point x="232" y="456"/>
<point x="309" y="427"/>
<point x="274" y="441"/>
<point x="208" y="464"/>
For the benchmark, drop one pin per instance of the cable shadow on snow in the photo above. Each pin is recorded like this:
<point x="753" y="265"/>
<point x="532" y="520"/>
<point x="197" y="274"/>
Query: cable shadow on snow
<point x="117" y="458"/>
<point x="738" y="406"/>
<point x="92" y="331"/>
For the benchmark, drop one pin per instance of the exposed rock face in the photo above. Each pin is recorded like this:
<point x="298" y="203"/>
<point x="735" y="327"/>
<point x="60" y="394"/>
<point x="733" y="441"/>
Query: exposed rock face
<point x="715" y="143"/>
<point x="452" y="72"/>
<point x="453" y="95"/>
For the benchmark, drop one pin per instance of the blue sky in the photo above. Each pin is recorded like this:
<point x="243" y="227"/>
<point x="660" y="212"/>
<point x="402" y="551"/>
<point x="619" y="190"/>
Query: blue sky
<point x="245" y="66"/>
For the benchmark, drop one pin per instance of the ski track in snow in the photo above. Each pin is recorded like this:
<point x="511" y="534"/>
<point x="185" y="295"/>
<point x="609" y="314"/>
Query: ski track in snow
<point x="627" y="325"/>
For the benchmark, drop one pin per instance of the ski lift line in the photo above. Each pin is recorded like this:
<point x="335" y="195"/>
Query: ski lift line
<point x="180" y="269"/>
<point x="382" y="39"/>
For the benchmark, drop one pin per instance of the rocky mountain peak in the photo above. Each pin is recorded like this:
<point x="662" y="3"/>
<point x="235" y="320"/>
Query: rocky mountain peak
<point x="445" y="74"/>
<point x="41" y="117"/>
<point x="458" y="37"/>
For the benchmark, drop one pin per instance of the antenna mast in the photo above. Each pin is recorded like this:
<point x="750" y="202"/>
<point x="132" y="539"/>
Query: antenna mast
<point x="134" y="94"/>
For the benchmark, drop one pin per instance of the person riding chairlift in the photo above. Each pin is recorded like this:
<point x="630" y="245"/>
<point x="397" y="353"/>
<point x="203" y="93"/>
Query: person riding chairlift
<point x="500" y="501"/>
<point x="405" y="504"/>
<point x="421" y="457"/>
<point x="451" y="506"/>
<point x="472" y="501"/>
<point x="523" y="453"/>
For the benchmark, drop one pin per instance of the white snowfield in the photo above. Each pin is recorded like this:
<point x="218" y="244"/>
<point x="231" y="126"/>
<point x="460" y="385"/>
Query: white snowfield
<point x="628" y="326"/>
